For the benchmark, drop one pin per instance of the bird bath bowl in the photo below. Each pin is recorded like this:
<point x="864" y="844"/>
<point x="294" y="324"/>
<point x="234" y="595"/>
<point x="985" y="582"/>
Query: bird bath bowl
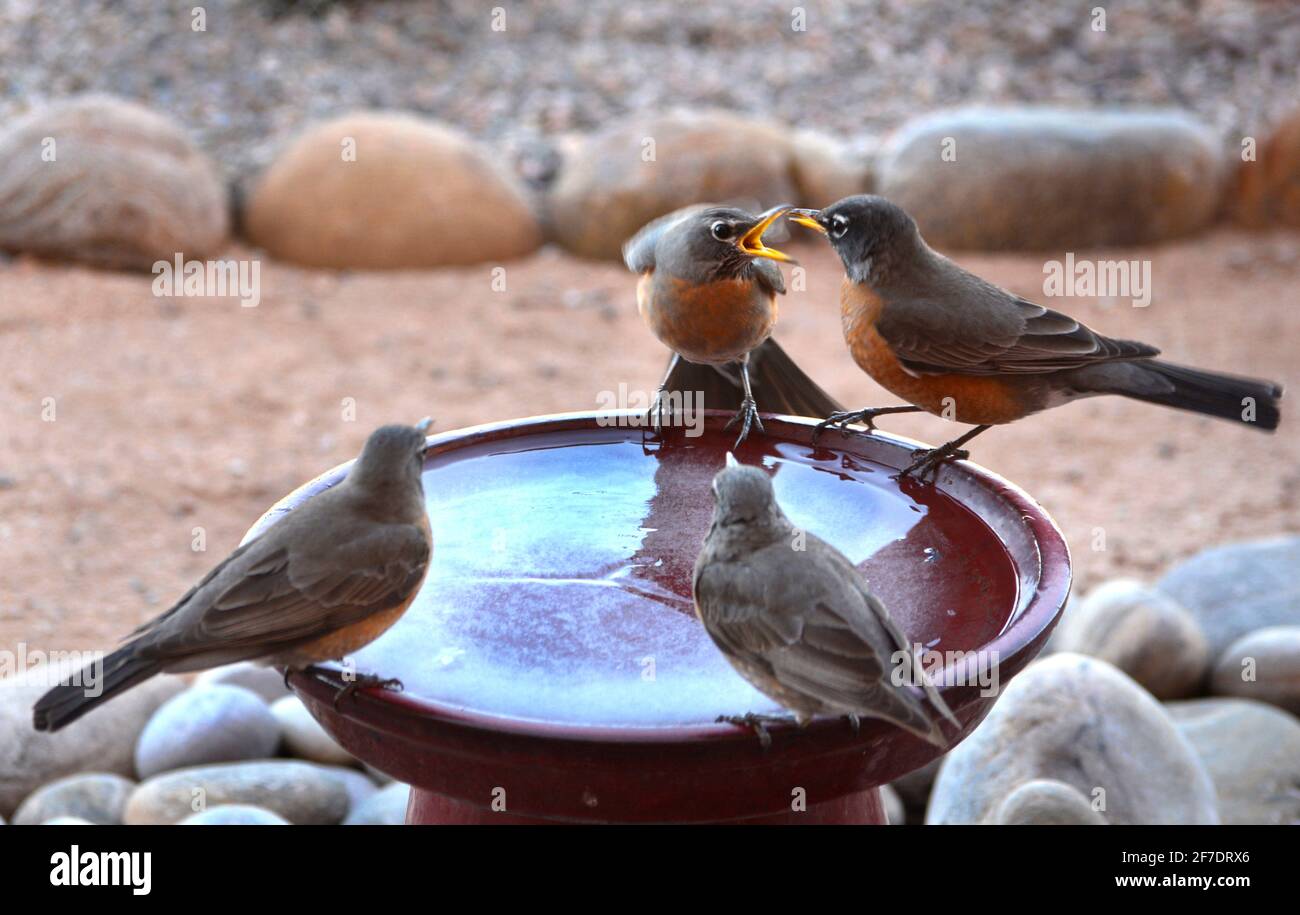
<point x="553" y="666"/>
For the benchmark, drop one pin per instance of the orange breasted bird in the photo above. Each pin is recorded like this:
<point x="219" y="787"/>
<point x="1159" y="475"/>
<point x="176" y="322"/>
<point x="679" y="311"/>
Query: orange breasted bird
<point x="952" y="344"/>
<point x="324" y="580"/>
<point x="708" y="291"/>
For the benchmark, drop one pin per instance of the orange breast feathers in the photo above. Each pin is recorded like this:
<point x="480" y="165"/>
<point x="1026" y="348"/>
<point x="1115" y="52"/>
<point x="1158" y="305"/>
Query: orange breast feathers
<point x="975" y="399"/>
<point x="711" y="323"/>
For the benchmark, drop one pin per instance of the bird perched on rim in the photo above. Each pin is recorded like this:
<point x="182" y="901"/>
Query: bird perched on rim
<point x="708" y="291"/>
<point x="795" y="618"/>
<point x="324" y="580"/>
<point x="952" y="344"/>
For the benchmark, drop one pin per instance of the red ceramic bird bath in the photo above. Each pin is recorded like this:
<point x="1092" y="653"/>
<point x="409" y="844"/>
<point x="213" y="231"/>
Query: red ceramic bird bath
<point x="553" y="666"/>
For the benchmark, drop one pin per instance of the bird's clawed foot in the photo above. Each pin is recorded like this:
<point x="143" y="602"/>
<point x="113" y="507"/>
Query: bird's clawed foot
<point x="367" y="681"/>
<point x="855" y="723"/>
<point x="925" y="462"/>
<point x="867" y="416"/>
<point x="756" y="723"/>
<point x="746" y="415"/>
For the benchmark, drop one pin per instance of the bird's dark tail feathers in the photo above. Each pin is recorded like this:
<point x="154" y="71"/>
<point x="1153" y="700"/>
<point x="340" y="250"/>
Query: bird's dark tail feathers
<point x="779" y="385"/>
<point x="1249" y="401"/>
<point x="69" y="701"/>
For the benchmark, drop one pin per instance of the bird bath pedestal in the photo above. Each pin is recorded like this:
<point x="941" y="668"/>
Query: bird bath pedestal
<point x="553" y="666"/>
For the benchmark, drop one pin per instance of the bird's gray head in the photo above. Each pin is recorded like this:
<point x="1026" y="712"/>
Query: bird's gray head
<point x="866" y="231"/>
<point x="393" y="455"/>
<point x="743" y="495"/>
<point x="718" y="242"/>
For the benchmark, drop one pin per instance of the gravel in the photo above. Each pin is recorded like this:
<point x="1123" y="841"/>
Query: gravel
<point x="262" y="70"/>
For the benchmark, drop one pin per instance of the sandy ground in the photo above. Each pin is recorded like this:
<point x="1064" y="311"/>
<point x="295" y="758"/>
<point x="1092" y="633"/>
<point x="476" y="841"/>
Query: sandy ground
<point x="177" y="414"/>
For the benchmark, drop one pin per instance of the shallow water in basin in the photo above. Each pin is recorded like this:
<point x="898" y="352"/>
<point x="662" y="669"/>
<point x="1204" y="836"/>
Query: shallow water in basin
<point x="561" y="579"/>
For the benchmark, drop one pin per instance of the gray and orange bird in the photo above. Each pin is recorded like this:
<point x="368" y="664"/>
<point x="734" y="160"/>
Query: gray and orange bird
<point x="324" y="580"/>
<point x="949" y="343"/>
<point x="708" y="291"/>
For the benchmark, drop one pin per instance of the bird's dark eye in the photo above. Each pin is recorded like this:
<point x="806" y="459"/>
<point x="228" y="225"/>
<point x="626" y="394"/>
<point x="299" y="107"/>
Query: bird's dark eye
<point x="721" y="230"/>
<point x="839" y="225"/>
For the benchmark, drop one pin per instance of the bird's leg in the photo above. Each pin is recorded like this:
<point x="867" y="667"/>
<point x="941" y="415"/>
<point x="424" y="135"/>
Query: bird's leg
<point x="855" y="723"/>
<point x="655" y="415"/>
<point x="308" y="669"/>
<point x="366" y="681"/>
<point x="748" y="412"/>
<point x="927" y="461"/>
<point x="857" y="416"/>
<point x="757" y="723"/>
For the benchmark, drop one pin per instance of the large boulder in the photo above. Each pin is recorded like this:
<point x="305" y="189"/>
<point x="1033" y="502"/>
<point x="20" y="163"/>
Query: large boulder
<point x="106" y="181"/>
<point x="643" y="167"/>
<point x="1080" y="722"/>
<point x="1143" y="632"/>
<point x="1252" y="751"/>
<point x="1053" y="179"/>
<point x="1267" y="189"/>
<point x="385" y="190"/>
<point x="1235" y="589"/>
<point x="102" y="741"/>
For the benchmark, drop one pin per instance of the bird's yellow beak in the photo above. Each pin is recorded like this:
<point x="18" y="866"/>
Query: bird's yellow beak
<point x="807" y="218"/>
<point x="751" y="242"/>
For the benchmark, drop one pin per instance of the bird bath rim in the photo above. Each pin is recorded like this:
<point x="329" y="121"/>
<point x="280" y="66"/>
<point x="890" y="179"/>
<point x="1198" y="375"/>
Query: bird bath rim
<point x="1038" y="605"/>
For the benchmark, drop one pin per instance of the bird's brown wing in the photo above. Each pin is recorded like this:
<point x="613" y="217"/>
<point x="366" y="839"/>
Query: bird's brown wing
<point x="277" y="597"/>
<point x="970" y="327"/>
<point x="811" y="625"/>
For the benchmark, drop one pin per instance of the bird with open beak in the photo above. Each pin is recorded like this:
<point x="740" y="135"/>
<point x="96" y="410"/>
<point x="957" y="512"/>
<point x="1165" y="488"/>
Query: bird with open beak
<point x="708" y="291"/>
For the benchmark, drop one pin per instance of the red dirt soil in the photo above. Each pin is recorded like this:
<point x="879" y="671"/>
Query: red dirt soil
<point x="173" y="414"/>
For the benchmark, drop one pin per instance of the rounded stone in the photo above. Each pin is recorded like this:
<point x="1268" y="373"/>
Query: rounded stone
<point x="299" y="792"/>
<point x="109" y="182"/>
<point x="267" y="682"/>
<point x="1045" y="802"/>
<point x="1143" y="632"/>
<point x="1252" y="752"/>
<point x="641" y="168"/>
<point x="1235" y="589"/>
<point x="209" y="724"/>
<point x="1080" y="721"/>
<point x="303" y="735"/>
<point x="1053" y="179"/>
<point x="386" y="807"/>
<point x="99" y="797"/>
<point x="235" y="815"/>
<point x="1263" y="665"/>
<point x="380" y="190"/>
<point x="102" y="741"/>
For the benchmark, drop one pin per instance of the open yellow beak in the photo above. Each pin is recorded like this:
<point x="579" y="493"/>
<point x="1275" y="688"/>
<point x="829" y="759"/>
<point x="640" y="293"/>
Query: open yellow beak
<point x="807" y="218"/>
<point x="752" y="241"/>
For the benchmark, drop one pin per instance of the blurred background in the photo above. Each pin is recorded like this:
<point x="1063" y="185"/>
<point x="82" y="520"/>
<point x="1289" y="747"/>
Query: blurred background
<point x="434" y="195"/>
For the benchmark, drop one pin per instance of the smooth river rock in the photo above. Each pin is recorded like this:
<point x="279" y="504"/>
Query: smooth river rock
<point x="300" y="792"/>
<point x="99" y="797"/>
<point x="208" y="724"/>
<point x="1082" y="722"/>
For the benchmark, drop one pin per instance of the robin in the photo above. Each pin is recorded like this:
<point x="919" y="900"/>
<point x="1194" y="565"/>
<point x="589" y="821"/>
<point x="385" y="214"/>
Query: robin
<point x="795" y="618"/>
<point x="952" y="344"/>
<point x="708" y="291"/>
<point x="324" y="580"/>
